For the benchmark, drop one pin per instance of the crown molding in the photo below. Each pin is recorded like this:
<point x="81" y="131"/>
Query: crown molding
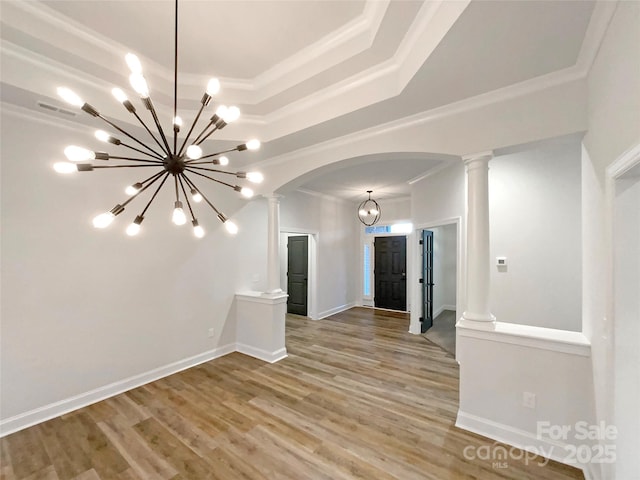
<point x="432" y="171"/>
<point x="334" y="48"/>
<point x="381" y="81"/>
<point x="522" y="89"/>
<point x="598" y="24"/>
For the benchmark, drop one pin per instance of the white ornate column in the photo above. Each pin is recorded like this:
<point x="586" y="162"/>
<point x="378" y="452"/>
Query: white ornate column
<point x="477" y="312"/>
<point x="273" y="246"/>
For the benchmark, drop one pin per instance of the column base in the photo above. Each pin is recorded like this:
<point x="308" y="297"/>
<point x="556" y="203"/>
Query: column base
<point x="477" y="321"/>
<point x="260" y="329"/>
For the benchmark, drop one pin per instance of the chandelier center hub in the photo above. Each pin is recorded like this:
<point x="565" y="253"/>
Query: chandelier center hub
<point x="174" y="164"/>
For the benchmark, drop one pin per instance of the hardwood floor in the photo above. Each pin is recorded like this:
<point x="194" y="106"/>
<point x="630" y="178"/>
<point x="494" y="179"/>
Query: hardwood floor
<point x="357" y="398"/>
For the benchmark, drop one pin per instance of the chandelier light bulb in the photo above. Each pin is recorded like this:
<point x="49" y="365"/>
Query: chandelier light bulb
<point x="70" y="96"/>
<point x="78" y="154"/>
<point x="119" y="95"/>
<point x="178" y="217"/>
<point x="103" y="220"/>
<point x="255" y="177"/>
<point x="139" y="84"/>
<point x="231" y="227"/>
<point x="253" y="144"/>
<point x="373" y="211"/>
<point x="195" y="195"/>
<point x="180" y="161"/>
<point x="213" y="86"/>
<point x="133" y="62"/>
<point x="221" y="111"/>
<point x="233" y="113"/>
<point x="194" y="152"/>
<point x="133" y="229"/>
<point x="102" y="135"/>
<point x="198" y="231"/>
<point x="65" y="167"/>
<point x="133" y="189"/>
<point x="362" y="212"/>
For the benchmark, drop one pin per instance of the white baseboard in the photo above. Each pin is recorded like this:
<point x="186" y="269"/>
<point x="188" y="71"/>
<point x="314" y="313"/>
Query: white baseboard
<point x="333" y="311"/>
<point x="442" y="309"/>
<point x="521" y="439"/>
<point x="53" y="410"/>
<point x="260" y="354"/>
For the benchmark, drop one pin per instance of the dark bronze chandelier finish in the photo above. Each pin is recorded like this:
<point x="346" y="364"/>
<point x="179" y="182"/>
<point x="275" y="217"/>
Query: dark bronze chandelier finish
<point x="182" y="163"/>
<point x="369" y="211"/>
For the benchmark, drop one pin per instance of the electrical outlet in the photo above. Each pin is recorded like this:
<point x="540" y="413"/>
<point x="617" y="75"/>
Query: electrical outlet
<point x="528" y="400"/>
<point x="210" y="332"/>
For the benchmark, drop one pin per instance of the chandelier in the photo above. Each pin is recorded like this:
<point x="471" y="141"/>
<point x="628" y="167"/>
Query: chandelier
<point x="184" y="167"/>
<point x="369" y="211"/>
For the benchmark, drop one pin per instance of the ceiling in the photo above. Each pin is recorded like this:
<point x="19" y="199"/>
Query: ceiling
<point x="302" y="72"/>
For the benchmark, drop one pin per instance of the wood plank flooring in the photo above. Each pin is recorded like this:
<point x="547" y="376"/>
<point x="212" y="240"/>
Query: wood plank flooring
<point x="357" y="398"/>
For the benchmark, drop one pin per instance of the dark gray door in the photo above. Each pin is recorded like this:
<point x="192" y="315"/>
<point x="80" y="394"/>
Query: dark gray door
<point x="427" y="281"/>
<point x="390" y="272"/>
<point x="297" y="272"/>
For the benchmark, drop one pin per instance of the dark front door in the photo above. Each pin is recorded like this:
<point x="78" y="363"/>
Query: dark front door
<point x="390" y="272"/>
<point x="426" y="320"/>
<point x="297" y="271"/>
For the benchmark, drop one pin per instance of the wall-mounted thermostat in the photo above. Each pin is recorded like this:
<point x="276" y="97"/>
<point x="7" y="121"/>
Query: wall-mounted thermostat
<point x="501" y="261"/>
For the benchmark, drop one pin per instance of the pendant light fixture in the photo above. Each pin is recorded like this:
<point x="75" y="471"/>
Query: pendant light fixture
<point x="369" y="211"/>
<point x="184" y="161"/>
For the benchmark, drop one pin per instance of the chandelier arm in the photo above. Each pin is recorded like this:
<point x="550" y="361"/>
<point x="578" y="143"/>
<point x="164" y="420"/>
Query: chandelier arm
<point x="152" y="178"/>
<point x="186" y="197"/>
<point x="189" y="167"/>
<point x="215" y="127"/>
<point x="142" y="189"/>
<point x="208" y="162"/>
<point x="149" y="104"/>
<point x="215" y="154"/>
<point x="131" y="159"/>
<point x="149" y="131"/>
<point x="205" y="198"/>
<point x="175" y="179"/>
<point x="193" y="124"/>
<point x="109" y="122"/>
<point x="125" y="166"/>
<point x="154" y="194"/>
<point x="197" y="140"/>
<point x="211" y="178"/>
<point x="140" y="151"/>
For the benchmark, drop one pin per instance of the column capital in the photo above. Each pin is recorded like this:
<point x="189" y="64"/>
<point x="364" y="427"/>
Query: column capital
<point x="273" y="197"/>
<point x="474" y="157"/>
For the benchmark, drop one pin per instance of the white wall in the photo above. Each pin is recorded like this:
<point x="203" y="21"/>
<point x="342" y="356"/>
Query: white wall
<point x="437" y="200"/>
<point x="444" y="268"/>
<point x="83" y="308"/>
<point x="393" y="210"/>
<point x="614" y="127"/>
<point x="337" y="247"/>
<point x="534" y="204"/>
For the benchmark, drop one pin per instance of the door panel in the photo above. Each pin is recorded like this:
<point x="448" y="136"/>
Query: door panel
<point x="297" y="273"/>
<point x="426" y="321"/>
<point x="390" y="272"/>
